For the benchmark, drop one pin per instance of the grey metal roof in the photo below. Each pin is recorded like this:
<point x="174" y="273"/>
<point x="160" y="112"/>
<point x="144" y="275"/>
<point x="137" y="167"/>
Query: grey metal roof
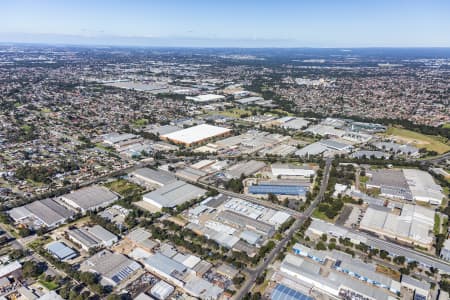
<point x="241" y="220"/>
<point x="165" y="264"/>
<point x="48" y="211"/>
<point x="101" y="233"/>
<point x="91" y="197"/>
<point x="60" y="250"/>
<point x="175" y="193"/>
<point x="160" y="176"/>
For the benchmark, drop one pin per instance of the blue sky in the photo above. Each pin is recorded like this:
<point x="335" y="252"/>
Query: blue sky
<point x="245" y="23"/>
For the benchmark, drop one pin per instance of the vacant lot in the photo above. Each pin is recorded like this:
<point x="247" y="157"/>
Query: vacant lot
<point x="431" y="143"/>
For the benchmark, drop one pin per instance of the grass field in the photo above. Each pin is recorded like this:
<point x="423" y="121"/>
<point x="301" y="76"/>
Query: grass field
<point x="124" y="187"/>
<point x="447" y="125"/>
<point x="321" y="215"/>
<point x="429" y="142"/>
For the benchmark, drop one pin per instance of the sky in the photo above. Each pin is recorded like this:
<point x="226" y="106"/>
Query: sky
<point x="228" y="23"/>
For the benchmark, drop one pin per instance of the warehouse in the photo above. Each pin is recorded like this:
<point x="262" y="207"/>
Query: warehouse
<point x="300" y="272"/>
<point x="370" y="154"/>
<point x="89" y="198"/>
<point x="413" y="226"/>
<point x="290" y="170"/>
<point x="407" y="184"/>
<point x="196" y="134"/>
<point x="422" y="187"/>
<point x="60" y="251"/>
<point x="173" y="194"/>
<point x="289" y="190"/>
<point x="112" y="267"/>
<point x="206" y="98"/>
<point x="190" y="174"/>
<point x="246" y="222"/>
<point x="245" y="168"/>
<point x="167" y="268"/>
<point x="151" y="177"/>
<point x="92" y="237"/>
<point x="37" y="214"/>
<point x="292" y="123"/>
<point x="161" y="290"/>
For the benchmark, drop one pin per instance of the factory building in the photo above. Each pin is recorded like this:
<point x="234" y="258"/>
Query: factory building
<point x="89" y="198"/>
<point x="151" y="177"/>
<point x="173" y="194"/>
<point x="289" y="170"/>
<point x="92" y="237"/>
<point x="60" y="251"/>
<point x="44" y="213"/>
<point x="113" y="268"/>
<point x="196" y="135"/>
<point x="412" y="226"/>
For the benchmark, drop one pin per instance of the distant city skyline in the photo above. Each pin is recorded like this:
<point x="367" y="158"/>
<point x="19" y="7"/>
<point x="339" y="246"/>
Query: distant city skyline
<point x="252" y="23"/>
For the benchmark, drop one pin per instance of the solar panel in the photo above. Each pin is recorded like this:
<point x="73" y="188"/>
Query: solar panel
<point x="277" y="189"/>
<point x="282" y="292"/>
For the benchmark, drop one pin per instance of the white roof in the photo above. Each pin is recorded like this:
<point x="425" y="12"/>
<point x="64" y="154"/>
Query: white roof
<point x="196" y="133"/>
<point x="422" y="186"/>
<point x="206" y="98"/>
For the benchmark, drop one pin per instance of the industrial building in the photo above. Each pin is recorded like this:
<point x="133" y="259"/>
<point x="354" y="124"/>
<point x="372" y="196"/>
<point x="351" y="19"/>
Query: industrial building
<point x="325" y="147"/>
<point x="406" y="184"/>
<point x="245" y="168"/>
<point x="173" y="194"/>
<point x="112" y="267"/>
<point x="292" y="123"/>
<point x="196" y="134"/>
<point x="206" y="98"/>
<point x="61" y="251"/>
<point x="282" y="189"/>
<point x="395" y="148"/>
<point x="161" y="290"/>
<point x="92" y="237"/>
<point x="48" y="213"/>
<point x="290" y="170"/>
<point x="413" y="225"/>
<point x="370" y="154"/>
<point x="190" y="174"/>
<point x="180" y="275"/>
<point x="246" y="222"/>
<point x="89" y="198"/>
<point x="140" y="237"/>
<point x="150" y="177"/>
<point x="295" y="271"/>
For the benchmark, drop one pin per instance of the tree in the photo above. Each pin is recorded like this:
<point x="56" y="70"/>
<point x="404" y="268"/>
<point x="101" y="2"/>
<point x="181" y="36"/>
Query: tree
<point x="321" y="246"/>
<point x="31" y="269"/>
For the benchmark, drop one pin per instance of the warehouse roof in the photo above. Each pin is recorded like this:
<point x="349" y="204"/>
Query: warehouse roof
<point x="241" y="220"/>
<point x="206" y="98"/>
<point x="246" y="168"/>
<point x="165" y="264"/>
<point x="60" y="250"/>
<point x="174" y="194"/>
<point x="294" y="190"/>
<point x="90" y="197"/>
<point x="422" y="186"/>
<point x="159" y="176"/>
<point x="47" y="211"/>
<point x="113" y="266"/>
<point x="196" y="133"/>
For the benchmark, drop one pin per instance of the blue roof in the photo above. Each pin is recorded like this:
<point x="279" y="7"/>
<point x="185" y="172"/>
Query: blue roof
<point x="296" y="190"/>
<point x="61" y="251"/>
<point x="282" y="292"/>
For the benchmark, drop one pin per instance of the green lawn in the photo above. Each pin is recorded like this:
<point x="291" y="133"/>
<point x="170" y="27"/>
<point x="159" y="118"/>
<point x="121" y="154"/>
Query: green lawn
<point x="430" y="142"/>
<point x="447" y="125"/>
<point x="320" y="215"/>
<point x="124" y="187"/>
<point x="50" y="285"/>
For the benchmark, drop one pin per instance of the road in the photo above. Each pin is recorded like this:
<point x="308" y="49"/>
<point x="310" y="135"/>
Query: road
<point x="256" y="272"/>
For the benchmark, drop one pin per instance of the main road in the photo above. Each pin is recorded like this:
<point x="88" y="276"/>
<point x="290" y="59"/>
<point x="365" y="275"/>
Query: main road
<point x="256" y="272"/>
